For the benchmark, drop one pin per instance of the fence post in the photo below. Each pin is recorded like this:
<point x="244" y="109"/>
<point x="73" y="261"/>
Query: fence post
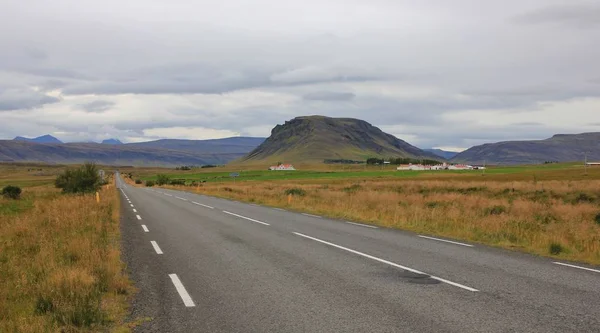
<point x="289" y="199"/>
<point x="98" y="197"/>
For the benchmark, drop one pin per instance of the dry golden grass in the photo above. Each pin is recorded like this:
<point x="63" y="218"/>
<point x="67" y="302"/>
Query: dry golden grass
<point x="528" y="215"/>
<point x="60" y="266"/>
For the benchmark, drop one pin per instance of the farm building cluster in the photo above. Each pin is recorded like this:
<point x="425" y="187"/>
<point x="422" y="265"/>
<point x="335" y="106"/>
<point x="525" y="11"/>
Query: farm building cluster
<point x="444" y="166"/>
<point x="282" y="167"/>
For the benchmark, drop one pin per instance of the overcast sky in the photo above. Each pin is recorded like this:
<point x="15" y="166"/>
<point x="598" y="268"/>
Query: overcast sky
<point x="435" y="73"/>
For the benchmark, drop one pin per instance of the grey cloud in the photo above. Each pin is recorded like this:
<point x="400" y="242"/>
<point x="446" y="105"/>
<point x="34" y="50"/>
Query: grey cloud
<point x="329" y="96"/>
<point x="96" y="106"/>
<point x="16" y="99"/>
<point x="527" y="123"/>
<point x="586" y="15"/>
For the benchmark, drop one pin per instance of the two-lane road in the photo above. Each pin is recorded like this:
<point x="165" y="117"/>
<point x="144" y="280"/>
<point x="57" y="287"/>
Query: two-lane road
<point x="204" y="264"/>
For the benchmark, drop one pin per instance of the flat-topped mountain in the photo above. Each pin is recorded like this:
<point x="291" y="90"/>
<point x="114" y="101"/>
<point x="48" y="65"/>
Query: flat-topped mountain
<point x="319" y="138"/>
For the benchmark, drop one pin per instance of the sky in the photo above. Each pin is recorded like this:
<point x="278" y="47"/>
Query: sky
<point x="435" y="73"/>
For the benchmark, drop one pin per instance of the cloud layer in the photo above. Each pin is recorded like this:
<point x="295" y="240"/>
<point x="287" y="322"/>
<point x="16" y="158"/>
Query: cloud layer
<point x="435" y="73"/>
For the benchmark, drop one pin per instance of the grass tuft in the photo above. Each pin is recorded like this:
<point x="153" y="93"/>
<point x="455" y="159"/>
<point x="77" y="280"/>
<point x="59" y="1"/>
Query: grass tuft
<point x="556" y="249"/>
<point x="295" y="191"/>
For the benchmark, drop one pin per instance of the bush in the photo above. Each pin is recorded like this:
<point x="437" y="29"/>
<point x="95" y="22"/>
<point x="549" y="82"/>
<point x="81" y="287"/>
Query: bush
<point x="149" y="183"/>
<point x="598" y="219"/>
<point x="295" y="191"/>
<point x="11" y="192"/>
<point x="496" y="210"/>
<point x="162" y="179"/>
<point x="177" y="182"/>
<point x="555" y="248"/>
<point x="138" y="181"/>
<point x="84" y="179"/>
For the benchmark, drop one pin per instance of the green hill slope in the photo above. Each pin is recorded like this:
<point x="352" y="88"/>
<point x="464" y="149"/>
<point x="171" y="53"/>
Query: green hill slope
<point x="318" y="138"/>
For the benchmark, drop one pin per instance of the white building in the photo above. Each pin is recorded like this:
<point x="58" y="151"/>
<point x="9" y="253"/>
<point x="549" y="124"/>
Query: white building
<point x="282" y="167"/>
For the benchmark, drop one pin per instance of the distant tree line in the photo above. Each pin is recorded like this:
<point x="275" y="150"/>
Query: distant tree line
<point x="342" y="161"/>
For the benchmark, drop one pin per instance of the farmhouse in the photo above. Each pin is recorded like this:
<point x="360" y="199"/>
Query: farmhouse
<point x="445" y="166"/>
<point x="282" y="167"/>
<point x="593" y="164"/>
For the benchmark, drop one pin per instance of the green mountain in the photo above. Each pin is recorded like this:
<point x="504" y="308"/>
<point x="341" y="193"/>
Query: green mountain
<point x="319" y="138"/>
<point x="559" y="148"/>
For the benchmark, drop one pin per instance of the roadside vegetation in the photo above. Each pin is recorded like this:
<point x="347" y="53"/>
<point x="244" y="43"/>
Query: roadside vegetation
<point x="60" y="266"/>
<point x="549" y="210"/>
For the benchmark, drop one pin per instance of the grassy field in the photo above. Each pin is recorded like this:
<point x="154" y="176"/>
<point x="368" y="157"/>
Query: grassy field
<point x="60" y="267"/>
<point x="551" y="210"/>
<point x="566" y="171"/>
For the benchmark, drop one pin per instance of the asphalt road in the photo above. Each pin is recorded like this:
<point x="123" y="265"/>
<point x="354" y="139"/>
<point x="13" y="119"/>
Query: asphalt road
<point x="203" y="264"/>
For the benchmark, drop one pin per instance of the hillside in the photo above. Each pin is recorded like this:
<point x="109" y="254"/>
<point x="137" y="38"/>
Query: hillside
<point x="234" y="145"/>
<point x="317" y="138"/>
<point x="40" y="139"/>
<point x="560" y="148"/>
<point x="442" y="153"/>
<point x="185" y="152"/>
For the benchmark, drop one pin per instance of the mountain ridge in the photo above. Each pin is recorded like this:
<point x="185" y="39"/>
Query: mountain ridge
<point x="558" y="148"/>
<point x="47" y="138"/>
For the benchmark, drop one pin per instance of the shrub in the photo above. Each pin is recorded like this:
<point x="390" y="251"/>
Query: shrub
<point x="177" y="182"/>
<point x="149" y="183"/>
<point x="598" y="219"/>
<point x="162" y="179"/>
<point x="295" y="191"/>
<point x="555" y="248"/>
<point x="138" y="181"/>
<point x="496" y="210"/>
<point x="11" y="192"/>
<point x="84" y="179"/>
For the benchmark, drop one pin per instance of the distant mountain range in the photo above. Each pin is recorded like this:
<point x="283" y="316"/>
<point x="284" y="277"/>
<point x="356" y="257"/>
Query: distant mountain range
<point x="153" y="153"/>
<point x="112" y="142"/>
<point x="442" y="153"/>
<point x="40" y="139"/>
<point x="559" y="148"/>
<point x="302" y="139"/>
<point x="319" y="138"/>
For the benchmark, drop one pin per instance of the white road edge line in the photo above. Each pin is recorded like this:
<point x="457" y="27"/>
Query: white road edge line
<point x="386" y="262"/>
<point x="280" y="209"/>
<point x="156" y="248"/>
<point x="187" y="300"/>
<point x="131" y="205"/>
<point x="363" y="225"/>
<point x="199" y="204"/>
<point x="145" y="228"/>
<point x="445" y="240"/>
<point x="247" y="218"/>
<point x="311" y="215"/>
<point x="135" y="210"/>
<point x="180" y="198"/>
<point x="584" y="268"/>
<point x="169" y="195"/>
<point x="138" y="217"/>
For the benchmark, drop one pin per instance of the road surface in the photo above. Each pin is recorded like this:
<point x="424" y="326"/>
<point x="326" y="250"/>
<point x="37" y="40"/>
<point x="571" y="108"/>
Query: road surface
<point x="203" y="264"/>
